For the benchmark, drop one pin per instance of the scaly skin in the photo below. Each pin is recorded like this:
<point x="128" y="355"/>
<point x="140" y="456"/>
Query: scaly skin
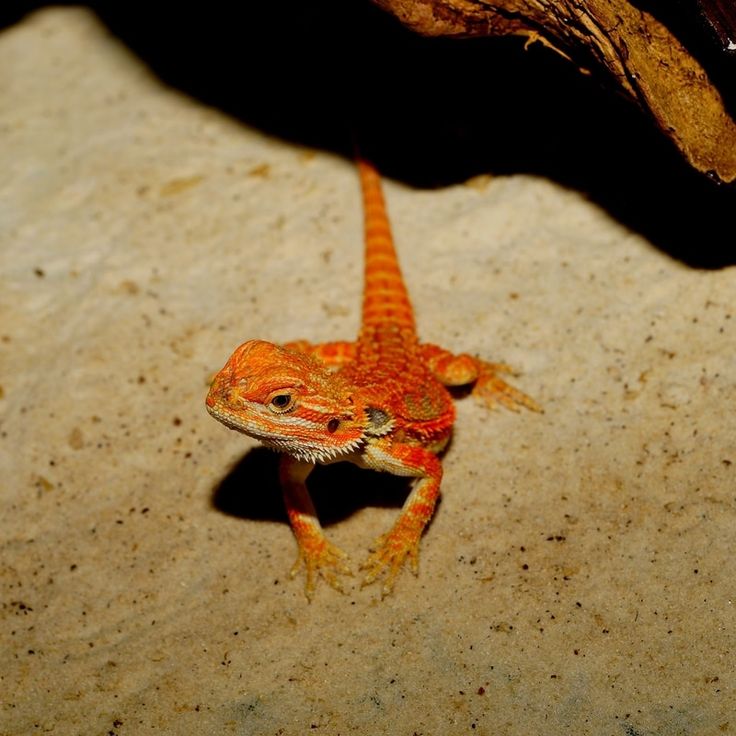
<point x="380" y="402"/>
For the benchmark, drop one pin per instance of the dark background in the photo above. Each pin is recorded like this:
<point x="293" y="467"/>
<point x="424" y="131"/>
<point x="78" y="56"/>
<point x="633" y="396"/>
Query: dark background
<point x="433" y="112"/>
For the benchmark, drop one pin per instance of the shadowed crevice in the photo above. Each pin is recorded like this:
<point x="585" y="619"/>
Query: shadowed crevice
<point x="429" y="112"/>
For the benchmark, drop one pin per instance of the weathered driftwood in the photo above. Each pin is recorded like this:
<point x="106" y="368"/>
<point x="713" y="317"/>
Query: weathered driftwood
<point x="641" y="54"/>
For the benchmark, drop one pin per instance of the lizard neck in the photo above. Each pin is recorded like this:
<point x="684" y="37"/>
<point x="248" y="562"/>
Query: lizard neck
<point x="386" y="305"/>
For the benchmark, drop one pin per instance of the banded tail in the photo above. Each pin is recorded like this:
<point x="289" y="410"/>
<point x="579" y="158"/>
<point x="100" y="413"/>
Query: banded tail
<point x="385" y="298"/>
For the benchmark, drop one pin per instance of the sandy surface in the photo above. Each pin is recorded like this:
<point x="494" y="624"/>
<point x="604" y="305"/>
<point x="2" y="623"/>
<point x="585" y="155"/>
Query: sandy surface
<point x="578" y="576"/>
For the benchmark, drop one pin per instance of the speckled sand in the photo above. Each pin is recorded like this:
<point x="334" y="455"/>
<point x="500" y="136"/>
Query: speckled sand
<point x="579" y="574"/>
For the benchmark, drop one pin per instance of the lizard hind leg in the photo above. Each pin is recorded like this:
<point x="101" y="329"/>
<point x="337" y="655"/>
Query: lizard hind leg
<point x="485" y="378"/>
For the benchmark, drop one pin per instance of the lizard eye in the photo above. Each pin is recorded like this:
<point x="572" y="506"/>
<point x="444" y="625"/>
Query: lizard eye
<point x="280" y="403"/>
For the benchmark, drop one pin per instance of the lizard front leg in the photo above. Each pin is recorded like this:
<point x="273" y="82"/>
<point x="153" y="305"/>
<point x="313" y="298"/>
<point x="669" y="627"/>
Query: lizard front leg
<point x="401" y="542"/>
<point x="485" y="378"/>
<point x="319" y="557"/>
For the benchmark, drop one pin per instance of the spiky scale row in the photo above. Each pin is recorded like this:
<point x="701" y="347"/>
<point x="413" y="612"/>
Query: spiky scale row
<point x="385" y="298"/>
<point x="380" y="402"/>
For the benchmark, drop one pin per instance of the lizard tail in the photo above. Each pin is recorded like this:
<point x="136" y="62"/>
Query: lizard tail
<point x="385" y="299"/>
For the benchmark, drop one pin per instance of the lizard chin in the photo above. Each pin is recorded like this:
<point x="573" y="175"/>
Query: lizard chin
<point x="317" y="454"/>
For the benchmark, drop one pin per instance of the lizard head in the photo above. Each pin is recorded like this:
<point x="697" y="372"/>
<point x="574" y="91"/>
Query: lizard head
<point x="288" y="401"/>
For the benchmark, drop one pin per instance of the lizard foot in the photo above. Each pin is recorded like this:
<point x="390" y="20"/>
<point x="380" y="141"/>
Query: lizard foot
<point x="322" y="559"/>
<point x="491" y="389"/>
<point x="392" y="550"/>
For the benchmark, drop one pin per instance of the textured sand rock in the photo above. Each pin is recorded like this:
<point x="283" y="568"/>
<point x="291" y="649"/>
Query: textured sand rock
<point x="578" y="576"/>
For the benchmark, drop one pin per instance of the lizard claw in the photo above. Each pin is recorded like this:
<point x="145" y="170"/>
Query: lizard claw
<point x="323" y="560"/>
<point x="492" y="390"/>
<point x="392" y="551"/>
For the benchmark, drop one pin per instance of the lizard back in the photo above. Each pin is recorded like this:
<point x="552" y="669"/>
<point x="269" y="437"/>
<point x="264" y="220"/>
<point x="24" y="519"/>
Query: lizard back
<point x="388" y="363"/>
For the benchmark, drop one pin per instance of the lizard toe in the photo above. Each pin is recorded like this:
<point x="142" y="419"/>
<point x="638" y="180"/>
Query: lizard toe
<point x="324" y="561"/>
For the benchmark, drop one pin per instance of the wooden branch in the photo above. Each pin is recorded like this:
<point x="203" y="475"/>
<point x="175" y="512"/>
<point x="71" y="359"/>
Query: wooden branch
<point x="644" y="58"/>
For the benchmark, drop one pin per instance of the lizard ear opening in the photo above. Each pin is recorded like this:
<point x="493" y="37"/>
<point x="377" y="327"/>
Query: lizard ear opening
<point x="379" y="421"/>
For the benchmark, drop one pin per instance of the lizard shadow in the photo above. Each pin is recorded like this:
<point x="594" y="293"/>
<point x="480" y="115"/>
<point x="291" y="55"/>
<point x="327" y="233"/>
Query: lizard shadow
<point x="251" y="490"/>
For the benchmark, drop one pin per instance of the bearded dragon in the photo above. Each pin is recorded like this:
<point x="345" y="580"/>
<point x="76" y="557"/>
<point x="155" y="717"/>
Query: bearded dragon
<point x="380" y="402"/>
